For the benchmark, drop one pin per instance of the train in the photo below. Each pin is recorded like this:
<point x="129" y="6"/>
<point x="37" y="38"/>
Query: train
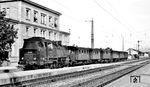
<point x="38" y="52"/>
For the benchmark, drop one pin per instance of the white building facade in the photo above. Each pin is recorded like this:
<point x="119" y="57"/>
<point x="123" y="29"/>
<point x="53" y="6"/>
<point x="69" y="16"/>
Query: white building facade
<point x="32" y="20"/>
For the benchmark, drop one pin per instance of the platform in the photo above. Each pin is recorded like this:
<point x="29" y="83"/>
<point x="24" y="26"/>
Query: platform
<point x="138" y="78"/>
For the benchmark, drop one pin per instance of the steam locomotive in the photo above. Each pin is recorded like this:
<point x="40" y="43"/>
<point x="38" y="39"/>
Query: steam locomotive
<point x="38" y="52"/>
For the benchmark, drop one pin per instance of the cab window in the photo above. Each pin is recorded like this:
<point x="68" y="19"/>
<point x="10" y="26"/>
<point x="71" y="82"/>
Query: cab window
<point x="40" y="44"/>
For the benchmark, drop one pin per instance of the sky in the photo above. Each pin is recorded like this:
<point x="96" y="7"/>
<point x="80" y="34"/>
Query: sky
<point x="115" y="22"/>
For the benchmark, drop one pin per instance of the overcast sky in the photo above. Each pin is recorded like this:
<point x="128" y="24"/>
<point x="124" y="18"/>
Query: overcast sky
<point x="113" y="21"/>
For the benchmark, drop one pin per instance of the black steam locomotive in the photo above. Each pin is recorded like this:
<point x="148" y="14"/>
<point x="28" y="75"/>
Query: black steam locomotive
<point x="38" y="52"/>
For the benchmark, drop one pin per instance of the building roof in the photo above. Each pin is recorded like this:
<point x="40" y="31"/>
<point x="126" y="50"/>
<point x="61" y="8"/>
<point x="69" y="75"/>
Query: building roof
<point x="132" y="49"/>
<point x="34" y="4"/>
<point x="67" y="33"/>
<point x="135" y="50"/>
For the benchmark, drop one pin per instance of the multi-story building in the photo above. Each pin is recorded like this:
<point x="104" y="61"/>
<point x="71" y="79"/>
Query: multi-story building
<point x="32" y="20"/>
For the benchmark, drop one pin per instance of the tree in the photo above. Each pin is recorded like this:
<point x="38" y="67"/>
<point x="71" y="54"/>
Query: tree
<point x="7" y="35"/>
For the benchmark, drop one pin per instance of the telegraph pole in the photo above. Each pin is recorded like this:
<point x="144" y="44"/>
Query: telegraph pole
<point x="138" y="44"/>
<point x="92" y="32"/>
<point x="122" y="42"/>
<point x="138" y="47"/>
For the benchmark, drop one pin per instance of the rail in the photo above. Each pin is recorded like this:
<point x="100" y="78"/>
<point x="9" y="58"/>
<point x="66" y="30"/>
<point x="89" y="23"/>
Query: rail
<point x="102" y="80"/>
<point x="49" y="77"/>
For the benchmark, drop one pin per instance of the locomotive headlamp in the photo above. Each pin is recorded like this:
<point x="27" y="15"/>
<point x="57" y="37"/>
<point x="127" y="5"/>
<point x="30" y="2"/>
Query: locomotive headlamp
<point x="22" y="58"/>
<point x="34" y="58"/>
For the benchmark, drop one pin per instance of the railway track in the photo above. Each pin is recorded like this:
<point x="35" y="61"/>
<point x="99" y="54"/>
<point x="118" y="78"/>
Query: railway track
<point x="99" y="76"/>
<point x="82" y="78"/>
<point x="100" y="81"/>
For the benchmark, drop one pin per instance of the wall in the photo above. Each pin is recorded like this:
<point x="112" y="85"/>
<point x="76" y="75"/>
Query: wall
<point x="17" y="12"/>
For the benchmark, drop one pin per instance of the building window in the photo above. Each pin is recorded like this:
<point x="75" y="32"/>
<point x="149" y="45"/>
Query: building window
<point x="27" y="30"/>
<point x="55" y="22"/>
<point x="35" y="30"/>
<point x="7" y="11"/>
<point x="51" y="21"/>
<point x="3" y="9"/>
<point x="35" y="16"/>
<point x="43" y="18"/>
<point x="49" y="33"/>
<point x="28" y="14"/>
<point x="55" y="35"/>
<point x="41" y="32"/>
<point x="60" y="36"/>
